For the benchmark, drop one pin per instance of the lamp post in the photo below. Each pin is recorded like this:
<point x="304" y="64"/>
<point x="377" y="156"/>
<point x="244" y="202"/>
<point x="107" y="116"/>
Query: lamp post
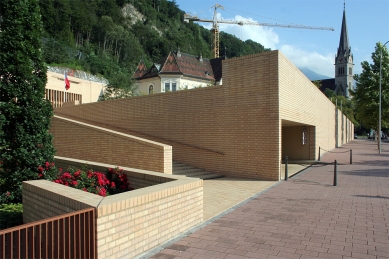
<point x="379" y="112"/>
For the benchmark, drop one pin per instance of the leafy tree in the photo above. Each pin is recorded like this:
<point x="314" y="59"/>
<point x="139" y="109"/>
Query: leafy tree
<point x="343" y="104"/>
<point x="56" y="17"/>
<point x="366" y="94"/>
<point x="119" y="86"/>
<point x="24" y="113"/>
<point x="317" y="83"/>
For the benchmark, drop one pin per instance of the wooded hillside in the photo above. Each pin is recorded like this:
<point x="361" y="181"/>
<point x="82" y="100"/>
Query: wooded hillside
<point x="109" y="37"/>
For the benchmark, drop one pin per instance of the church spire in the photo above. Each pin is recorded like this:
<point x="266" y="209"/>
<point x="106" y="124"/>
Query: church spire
<point x="344" y="44"/>
<point x="344" y="61"/>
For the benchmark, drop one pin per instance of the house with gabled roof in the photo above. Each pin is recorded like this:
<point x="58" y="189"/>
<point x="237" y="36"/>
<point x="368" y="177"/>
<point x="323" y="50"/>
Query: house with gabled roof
<point x="178" y="71"/>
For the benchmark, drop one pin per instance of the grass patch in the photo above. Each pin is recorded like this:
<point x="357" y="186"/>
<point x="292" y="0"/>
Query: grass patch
<point x="11" y="215"/>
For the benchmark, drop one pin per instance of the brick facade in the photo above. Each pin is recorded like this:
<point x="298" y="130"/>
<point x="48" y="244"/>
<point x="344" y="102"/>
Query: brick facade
<point x="234" y="129"/>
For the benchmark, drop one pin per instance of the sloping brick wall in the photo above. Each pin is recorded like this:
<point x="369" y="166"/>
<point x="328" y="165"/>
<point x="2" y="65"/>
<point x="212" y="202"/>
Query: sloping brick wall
<point x="87" y="142"/>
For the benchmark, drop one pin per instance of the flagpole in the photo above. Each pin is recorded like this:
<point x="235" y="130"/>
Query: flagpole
<point x="64" y="90"/>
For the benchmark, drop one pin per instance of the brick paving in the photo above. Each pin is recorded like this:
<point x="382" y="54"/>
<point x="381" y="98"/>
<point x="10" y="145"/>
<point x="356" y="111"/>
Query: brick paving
<point x="306" y="216"/>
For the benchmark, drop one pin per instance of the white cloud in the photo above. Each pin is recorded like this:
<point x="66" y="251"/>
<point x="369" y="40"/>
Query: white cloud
<point x="264" y="35"/>
<point x="321" y="64"/>
<point x="317" y="62"/>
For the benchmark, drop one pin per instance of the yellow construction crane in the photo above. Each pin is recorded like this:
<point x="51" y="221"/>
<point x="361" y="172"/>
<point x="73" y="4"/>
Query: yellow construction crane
<point x="215" y="26"/>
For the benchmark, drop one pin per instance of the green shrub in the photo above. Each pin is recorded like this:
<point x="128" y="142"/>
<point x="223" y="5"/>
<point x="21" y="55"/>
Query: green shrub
<point x="11" y="215"/>
<point x="25" y="115"/>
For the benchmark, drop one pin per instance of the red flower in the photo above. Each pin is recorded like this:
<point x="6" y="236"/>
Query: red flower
<point x="102" y="192"/>
<point x="47" y="164"/>
<point x="77" y="174"/>
<point x="113" y="185"/>
<point x="40" y="175"/>
<point x="66" y="175"/>
<point x="8" y="194"/>
<point x="52" y="164"/>
<point x="40" y="169"/>
<point x="74" y="183"/>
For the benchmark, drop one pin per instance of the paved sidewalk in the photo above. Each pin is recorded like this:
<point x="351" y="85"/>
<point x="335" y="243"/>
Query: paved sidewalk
<point x="218" y="196"/>
<point x="306" y="216"/>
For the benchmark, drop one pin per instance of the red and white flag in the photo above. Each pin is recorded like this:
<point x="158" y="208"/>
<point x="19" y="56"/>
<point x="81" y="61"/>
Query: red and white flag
<point x="67" y="82"/>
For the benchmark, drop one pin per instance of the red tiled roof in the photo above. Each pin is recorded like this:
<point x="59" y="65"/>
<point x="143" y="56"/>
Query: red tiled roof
<point x="140" y="70"/>
<point x="184" y="64"/>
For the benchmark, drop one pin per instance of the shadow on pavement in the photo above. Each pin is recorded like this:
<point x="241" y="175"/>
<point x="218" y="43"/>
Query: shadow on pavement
<point x="384" y="172"/>
<point x="371" y="196"/>
<point x="301" y="181"/>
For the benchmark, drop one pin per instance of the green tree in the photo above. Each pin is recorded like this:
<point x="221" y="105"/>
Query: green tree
<point x="366" y="94"/>
<point x="120" y="86"/>
<point x="24" y="113"/>
<point x="343" y="104"/>
<point x="317" y="83"/>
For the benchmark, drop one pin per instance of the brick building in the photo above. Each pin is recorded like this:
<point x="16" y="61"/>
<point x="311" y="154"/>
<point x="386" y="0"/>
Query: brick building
<point x="265" y="109"/>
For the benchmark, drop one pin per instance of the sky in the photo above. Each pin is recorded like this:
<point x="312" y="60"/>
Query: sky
<point x="367" y="24"/>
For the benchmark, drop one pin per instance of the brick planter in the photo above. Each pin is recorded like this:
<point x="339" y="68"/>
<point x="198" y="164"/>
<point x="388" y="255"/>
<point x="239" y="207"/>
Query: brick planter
<point x="129" y="223"/>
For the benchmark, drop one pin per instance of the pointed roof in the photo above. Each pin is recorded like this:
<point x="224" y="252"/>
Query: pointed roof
<point x="344" y="44"/>
<point x="183" y="64"/>
<point x="140" y="69"/>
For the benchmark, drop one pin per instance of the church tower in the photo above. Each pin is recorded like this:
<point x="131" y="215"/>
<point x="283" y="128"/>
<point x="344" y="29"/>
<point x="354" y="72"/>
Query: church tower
<point x="344" y="62"/>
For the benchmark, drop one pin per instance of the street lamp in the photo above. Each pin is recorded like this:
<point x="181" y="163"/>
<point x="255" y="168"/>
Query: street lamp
<point x="379" y="112"/>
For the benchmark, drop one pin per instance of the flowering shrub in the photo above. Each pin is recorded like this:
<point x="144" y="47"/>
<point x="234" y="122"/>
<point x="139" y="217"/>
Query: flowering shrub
<point x="48" y="171"/>
<point x="8" y="194"/>
<point x="118" y="181"/>
<point x="113" y="182"/>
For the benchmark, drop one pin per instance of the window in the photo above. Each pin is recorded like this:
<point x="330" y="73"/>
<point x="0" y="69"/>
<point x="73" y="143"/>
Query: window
<point x="170" y="86"/>
<point x="151" y="89"/>
<point x="350" y="71"/>
<point x="341" y="70"/>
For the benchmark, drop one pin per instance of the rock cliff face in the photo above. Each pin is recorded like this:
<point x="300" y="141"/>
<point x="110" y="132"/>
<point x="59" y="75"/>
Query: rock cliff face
<point x="131" y="12"/>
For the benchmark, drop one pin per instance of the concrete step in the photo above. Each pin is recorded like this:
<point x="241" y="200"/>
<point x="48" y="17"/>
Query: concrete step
<point x="187" y="170"/>
<point x="191" y="171"/>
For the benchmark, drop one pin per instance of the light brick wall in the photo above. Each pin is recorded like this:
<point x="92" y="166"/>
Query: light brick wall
<point x="43" y="199"/>
<point x="234" y="129"/>
<point x="223" y="129"/>
<point x="303" y="103"/>
<point x="129" y="223"/>
<point x="87" y="142"/>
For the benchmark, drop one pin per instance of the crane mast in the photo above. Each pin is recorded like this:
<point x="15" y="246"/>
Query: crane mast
<point x="215" y="26"/>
